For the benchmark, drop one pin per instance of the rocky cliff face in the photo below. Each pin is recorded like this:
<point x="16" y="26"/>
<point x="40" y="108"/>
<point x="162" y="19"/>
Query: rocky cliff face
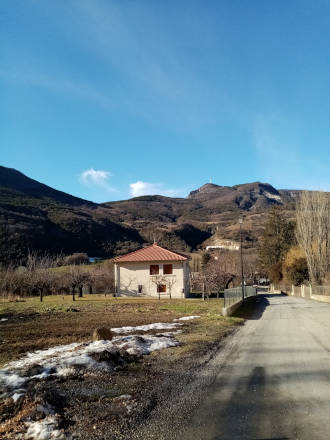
<point x="250" y="196"/>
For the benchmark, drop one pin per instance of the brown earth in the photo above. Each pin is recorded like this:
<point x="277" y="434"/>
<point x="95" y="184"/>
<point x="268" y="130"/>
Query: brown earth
<point x="103" y="405"/>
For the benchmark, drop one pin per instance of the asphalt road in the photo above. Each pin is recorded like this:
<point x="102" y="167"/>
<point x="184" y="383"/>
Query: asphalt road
<point x="275" y="382"/>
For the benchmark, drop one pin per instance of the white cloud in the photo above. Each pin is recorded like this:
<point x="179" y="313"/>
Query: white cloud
<point x="141" y="188"/>
<point x="98" y="178"/>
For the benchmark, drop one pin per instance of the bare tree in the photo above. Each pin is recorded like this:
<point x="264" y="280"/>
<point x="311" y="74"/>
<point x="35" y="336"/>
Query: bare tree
<point x="103" y="279"/>
<point x="223" y="268"/>
<point x="313" y="232"/>
<point x="77" y="279"/>
<point x="159" y="280"/>
<point x="170" y="282"/>
<point x="250" y="260"/>
<point x="39" y="276"/>
<point x="12" y="282"/>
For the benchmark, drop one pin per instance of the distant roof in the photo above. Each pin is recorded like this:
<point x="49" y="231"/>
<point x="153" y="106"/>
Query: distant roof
<point x="151" y="253"/>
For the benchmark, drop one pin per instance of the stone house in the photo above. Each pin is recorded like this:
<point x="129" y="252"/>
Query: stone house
<point x="152" y="271"/>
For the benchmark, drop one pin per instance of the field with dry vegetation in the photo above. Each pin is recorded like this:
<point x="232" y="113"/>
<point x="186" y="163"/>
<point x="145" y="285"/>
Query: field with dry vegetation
<point x="89" y="401"/>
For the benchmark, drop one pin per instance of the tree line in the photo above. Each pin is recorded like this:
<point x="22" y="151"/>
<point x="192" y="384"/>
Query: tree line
<point x="298" y="251"/>
<point x="222" y="269"/>
<point x="44" y="274"/>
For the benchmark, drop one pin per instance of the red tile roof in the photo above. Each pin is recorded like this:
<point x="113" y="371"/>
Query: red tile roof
<point x="151" y="253"/>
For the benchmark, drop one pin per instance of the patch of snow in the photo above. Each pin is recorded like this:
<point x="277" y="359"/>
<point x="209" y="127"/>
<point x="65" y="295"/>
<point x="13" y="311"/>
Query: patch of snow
<point x="187" y="318"/>
<point x="11" y="380"/>
<point x="169" y="334"/>
<point x="154" y="326"/>
<point x="145" y="328"/>
<point x="65" y="372"/>
<point x="19" y="393"/>
<point x="46" y="410"/>
<point x="45" y="429"/>
<point x="142" y="345"/>
<point x="3" y="319"/>
<point x="124" y="396"/>
<point x="272" y="196"/>
<point x="63" y="359"/>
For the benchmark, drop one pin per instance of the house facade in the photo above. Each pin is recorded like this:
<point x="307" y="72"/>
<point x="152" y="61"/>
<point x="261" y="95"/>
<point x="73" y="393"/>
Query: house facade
<point x="152" y="271"/>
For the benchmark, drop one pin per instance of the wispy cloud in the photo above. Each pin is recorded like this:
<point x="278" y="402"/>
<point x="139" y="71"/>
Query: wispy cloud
<point x="141" y="188"/>
<point x="132" y="63"/>
<point x="151" y="72"/>
<point x="98" y="178"/>
<point x="64" y="86"/>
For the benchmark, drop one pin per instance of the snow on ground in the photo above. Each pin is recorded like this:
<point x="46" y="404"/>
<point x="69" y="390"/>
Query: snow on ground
<point x="187" y="318"/>
<point x="154" y="326"/>
<point x="169" y="334"/>
<point x="145" y="328"/>
<point x="3" y="319"/>
<point x="273" y="196"/>
<point x="45" y="429"/>
<point x="62" y="359"/>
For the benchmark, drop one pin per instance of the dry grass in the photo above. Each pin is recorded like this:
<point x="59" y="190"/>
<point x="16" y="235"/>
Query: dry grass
<point x="33" y="325"/>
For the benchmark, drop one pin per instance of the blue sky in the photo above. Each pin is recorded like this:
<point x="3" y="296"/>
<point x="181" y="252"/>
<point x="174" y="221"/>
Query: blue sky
<point x="112" y="99"/>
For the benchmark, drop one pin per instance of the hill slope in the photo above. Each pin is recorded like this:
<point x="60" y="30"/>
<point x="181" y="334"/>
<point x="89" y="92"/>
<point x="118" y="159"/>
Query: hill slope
<point x="35" y="216"/>
<point x="11" y="179"/>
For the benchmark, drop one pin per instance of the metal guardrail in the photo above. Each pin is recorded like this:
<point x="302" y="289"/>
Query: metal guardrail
<point x="234" y="294"/>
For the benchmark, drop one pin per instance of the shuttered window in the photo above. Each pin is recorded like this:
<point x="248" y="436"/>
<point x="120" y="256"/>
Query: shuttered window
<point x="168" y="269"/>
<point x="154" y="269"/>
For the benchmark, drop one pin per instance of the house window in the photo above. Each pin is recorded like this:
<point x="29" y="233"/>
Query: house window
<point x="154" y="269"/>
<point x="168" y="269"/>
<point x="161" y="288"/>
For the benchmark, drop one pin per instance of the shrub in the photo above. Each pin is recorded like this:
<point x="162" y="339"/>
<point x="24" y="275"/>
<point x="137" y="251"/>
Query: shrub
<point x="76" y="259"/>
<point x="297" y="273"/>
<point x="276" y="273"/>
<point x="295" y="268"/>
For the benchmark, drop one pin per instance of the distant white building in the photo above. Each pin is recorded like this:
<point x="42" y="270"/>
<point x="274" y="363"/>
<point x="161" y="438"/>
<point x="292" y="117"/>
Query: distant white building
<point x="224" y="244"/>
<point x="152" y="271"/>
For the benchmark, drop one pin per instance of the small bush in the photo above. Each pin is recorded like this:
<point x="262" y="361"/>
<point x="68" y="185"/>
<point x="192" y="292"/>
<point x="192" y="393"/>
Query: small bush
<point x="295" y="266"/>
<point x="76" y="259"/>
<point x="276" y="273"/>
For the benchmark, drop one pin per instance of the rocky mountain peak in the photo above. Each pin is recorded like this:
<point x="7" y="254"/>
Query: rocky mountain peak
<point x="245" y="196"/>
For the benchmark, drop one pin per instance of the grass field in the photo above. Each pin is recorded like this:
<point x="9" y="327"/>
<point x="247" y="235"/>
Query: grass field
<point x="30" y="324"/>
<point x="94" y="399"/>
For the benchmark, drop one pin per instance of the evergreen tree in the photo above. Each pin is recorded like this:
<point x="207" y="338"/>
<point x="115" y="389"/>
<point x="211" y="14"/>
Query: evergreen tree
<point x="277" y="238"/>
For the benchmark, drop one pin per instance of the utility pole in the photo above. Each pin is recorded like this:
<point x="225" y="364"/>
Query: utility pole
<point x="240" y="220"/>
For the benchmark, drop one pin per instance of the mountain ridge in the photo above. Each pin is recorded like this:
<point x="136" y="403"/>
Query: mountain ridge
<point x="15" y="180"/>
<point x="36" y="216"/>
